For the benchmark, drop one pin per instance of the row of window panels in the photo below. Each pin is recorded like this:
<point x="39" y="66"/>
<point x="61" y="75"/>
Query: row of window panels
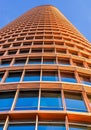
<point x="44" y="125"/>
<point x="32" y="30"/>
<point x="44" y="100"/>
<point x="51" y="76"/>
<point x="42" y="31"/>
<point x="43" y="60"/>
<point x="45" y="43"/>
<point x="43" y="50"/>
<point x="18" y="31"/>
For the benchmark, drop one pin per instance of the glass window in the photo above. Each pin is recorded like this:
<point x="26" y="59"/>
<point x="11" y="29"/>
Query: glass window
<point x="5" y="63"/>
<point x="68" y="77"/>
<point x="24" y="51"/>
<point x="74" y="102"/>
<point x="78" y="63"/>
<point x="27" y="100"/>
<point x="21" y="125"/>
<point x="62" y="61"/>
<point x="32" y="76"/>
<point x="51" y="126"/>
<point x="49" y="76"/>
<point x="2" y="53"/>
<point x="49" y="50"/>
<point x="85" y="79"/>
<point x="34" y="61"/>
<point x="79" y="127"/>
<point x="61" y="51"/>
<point x="35" y="50"/>
<point x="12" y="52"/>
<point x="1" y="126"/>
<point x="19" y="62"/>
<point x="6" y="100"/>
<point x="48" y="61"/>
<point x="89" y="97"/>
<point x="51" y="100"/>
<point x="13" y="76"/>
<point x="1" y="75"/>
<point x="73" y="52"/>
<point x="27" y="43"/>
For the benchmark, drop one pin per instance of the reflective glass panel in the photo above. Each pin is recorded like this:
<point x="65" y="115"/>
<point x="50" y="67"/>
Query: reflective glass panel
<point x="13" y="77"/>
<point x="68" y="77"/>
<point x="22" y="126"/>
<point x="19" y="62"/>
<point x="50" y="100"/>
<point x="1" y="126"/>
<point x="34" y="61"/>
<point x="51" y="126"/>
<point x="1" y="75"/>
<point x="5" y="63"/>
<point x="6" y="100"/>
<point x="63" y="61"/>
<point x="74" y="102"/>
<point x="85" y="79"/>
<point x="27" y="100"/>
<point x="79" y="127"/>
<point x="48" y="61"/>
<point x="32" y="76"/>
<point x="49" y="76"/>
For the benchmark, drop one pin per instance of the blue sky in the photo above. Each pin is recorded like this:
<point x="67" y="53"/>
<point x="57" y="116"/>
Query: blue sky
<point x="77" y="11"/>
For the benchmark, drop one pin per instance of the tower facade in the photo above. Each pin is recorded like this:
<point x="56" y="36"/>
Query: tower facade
<point x="45" y="73"/>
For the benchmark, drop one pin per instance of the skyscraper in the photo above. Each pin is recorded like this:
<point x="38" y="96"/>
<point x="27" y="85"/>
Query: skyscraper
<point x="45" y="73"/>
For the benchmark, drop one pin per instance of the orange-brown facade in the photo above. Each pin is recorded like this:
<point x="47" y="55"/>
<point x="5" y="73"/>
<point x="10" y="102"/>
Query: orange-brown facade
<point x="44" y="56"/>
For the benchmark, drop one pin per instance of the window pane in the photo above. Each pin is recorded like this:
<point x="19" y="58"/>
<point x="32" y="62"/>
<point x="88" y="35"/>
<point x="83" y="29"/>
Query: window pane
<point x="5" y="63"/>
<point x="1" y="126"/>
<point x="50" y="76"/>
<point x="68" y="77"/>
<point x="89" y="97"/>
<point x="85" y="79"/>
<point x="48" y="61"/>
<point x="19" y="62"/>
<point x="13" y="77"/>
<point x="1" y="75"/>
<point x="51" y="101"/>
<point x="6" y="100"/>
<point x="27" y="100"/>
<point x="23" y="126"/>
<point x="75" y="127"/>
<point x="34" y="61"/>
<point x="32" y="76"/>
<point x="74" y="102"/>
<point x="63" y="61"/>
<point x="51" y="126"/>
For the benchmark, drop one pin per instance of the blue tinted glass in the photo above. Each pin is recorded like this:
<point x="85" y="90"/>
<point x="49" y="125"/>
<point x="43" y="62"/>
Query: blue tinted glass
<point x="74" y="103"/>
<point x="51" y="101"/>
<point x="1" y="127"/>
<point x="51" y="127"/>
<point x="86" y="82"/>
<point x="79" y="128"/>
<point x="1" y="75"/>
<point x="3" y="65"/>
<point x="27" y="101"/>
<point x="32" y="76"/>
<point x="48" y="61"/>
<point x="21" y="126"/>
<point x="68" y="79"/>
<point x="49" y="76"/>
<point x="13" y="77"/>
<point x="34" y="61"/>
<point x="6" y="100"/>
<point x="20" y="62"/>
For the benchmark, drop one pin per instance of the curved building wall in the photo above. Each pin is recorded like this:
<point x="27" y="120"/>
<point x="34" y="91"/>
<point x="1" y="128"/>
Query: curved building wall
<point x="45" y="73"/>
